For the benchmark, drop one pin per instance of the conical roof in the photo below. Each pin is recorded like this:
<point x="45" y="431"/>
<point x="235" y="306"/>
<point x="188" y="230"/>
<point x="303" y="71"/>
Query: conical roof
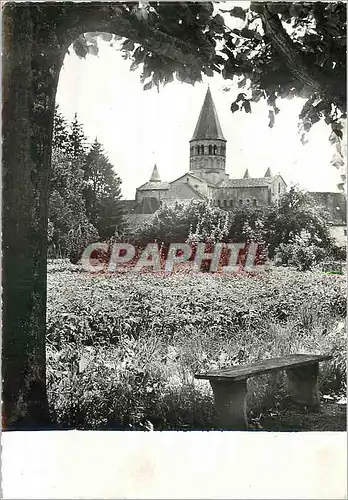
<point x="155" y="177"/>
<point x="268" y="173"/>
<point x="246" y="174"/>
<point x="208" y="125"/>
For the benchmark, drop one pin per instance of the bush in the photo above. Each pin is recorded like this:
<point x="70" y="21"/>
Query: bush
<point x="339" y="253"/>
<point x="300" y="253"/>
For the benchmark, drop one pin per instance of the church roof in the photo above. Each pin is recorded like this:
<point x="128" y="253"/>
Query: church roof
<point x="194" y="177"/>
<point x="246" y="183"/>
<point x="154" y="185"/>
<point x="246" y="174"/>
<point x="268" y="173"/>
<point x="208" y="125"/>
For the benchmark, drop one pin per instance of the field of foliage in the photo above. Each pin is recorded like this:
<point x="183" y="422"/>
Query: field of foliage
<point x="123" y="349"/>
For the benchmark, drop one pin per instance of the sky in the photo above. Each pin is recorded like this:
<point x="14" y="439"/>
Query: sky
<point x="139" y="128"/>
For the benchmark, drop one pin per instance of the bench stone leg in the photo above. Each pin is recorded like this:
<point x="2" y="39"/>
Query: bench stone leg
<point x="230" y="403"/>
<point x="303" y="385"/>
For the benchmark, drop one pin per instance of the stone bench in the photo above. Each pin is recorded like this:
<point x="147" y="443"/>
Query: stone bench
<point x="230" y="385"/>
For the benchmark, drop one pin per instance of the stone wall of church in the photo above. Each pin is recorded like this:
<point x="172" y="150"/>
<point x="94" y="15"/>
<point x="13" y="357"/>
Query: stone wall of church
<point x="339" y="233"/>
<point x="334" y="203"/>
<point x="181" y="191"/>
<point x="154" y="193"/>
<point x="278" y="188"/>
<point x="234" y="197"/>
<point x="197" y="184"/>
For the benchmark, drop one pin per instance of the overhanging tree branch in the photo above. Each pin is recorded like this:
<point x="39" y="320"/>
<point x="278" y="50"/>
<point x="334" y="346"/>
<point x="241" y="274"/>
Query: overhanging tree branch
<point x="311" y="77"/>
<point x="117" y="19"/>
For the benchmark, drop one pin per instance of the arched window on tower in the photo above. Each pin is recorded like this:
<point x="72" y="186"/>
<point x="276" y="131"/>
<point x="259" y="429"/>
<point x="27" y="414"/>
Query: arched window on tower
<point x="279" y="188"/>
<point x="215" y="150"/>
<point x="254" y="202"/>
<point x="210" y="149"/>
<point x="231" y="203"/>
<point x="202" y="149"/>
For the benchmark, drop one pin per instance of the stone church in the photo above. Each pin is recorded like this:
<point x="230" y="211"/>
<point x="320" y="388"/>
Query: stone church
<point x="207" y="179"/>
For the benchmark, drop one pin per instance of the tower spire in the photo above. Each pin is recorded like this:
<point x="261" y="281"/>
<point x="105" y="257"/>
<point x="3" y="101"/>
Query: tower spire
<point x="155" y="177"/>
<point x="208" y="145"/>
<point x="208" y="125"/>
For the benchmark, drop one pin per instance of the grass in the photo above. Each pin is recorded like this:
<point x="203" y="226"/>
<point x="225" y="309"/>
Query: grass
<point x="123" y="350"/>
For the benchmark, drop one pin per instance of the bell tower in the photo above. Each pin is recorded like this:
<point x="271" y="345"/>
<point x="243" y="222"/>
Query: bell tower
<point x="208" y="145"/>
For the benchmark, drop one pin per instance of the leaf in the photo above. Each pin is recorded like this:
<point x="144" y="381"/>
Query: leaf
<point x="246" y="106"/>
<point x="148" y="85"/>
<point x="168" y="78"/>
<point x="333" y="138"/>
<point x="208" y="71"/>
<point x="107" y="37"/>
<point x="307" y="126"/>
<point x="91" y="37"/>
<point x="234" y="107"/>
<point x="128" y="45"/>
<point x="246" y="33"/>
<point x="240" y="97"/>
<point x="93" y="49"/>
<point x="242" y="82"/>
<point x="238" y="12"/>
<point x="256" y="95"/>
<point x="218" y="19"/>
<point x="135" y="66"/>
<point x="80" y="47"/>
<point x="139" y="55"/>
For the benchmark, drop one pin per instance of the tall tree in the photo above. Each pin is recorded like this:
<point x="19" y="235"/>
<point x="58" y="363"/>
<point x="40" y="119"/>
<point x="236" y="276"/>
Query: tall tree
<point x="76" y="147"/>
<point x="70" y="229"/>
<point x="102" y="192"/>
<point x="60" y="140"/>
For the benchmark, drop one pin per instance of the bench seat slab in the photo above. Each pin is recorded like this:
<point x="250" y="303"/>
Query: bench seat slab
<point x="303" y="385"/>
<point x="230" y="401"/>
<point x="264" y="366"/>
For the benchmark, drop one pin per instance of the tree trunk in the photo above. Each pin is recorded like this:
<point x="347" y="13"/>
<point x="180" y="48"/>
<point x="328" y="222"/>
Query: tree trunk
<point x="30" y="74"/>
